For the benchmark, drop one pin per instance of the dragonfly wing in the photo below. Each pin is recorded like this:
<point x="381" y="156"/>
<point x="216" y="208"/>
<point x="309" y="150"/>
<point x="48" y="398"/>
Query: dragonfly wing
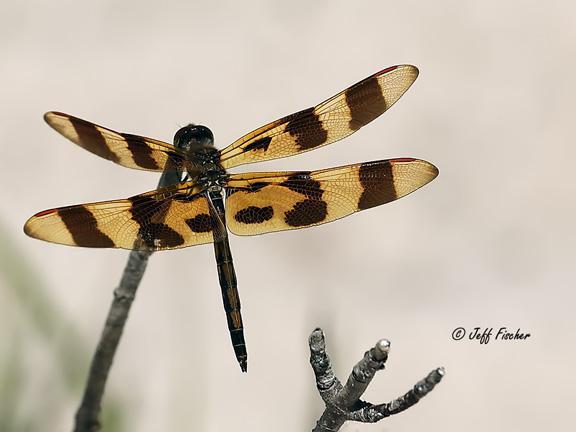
<point x="259" y="203"/>
<point x="131" y="151"/>
<point x="330" y="121"/>
<point x="174" y="217"/>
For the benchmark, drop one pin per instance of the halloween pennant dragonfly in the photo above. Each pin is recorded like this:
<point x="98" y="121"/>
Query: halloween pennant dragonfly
<point x="191" y="210"/>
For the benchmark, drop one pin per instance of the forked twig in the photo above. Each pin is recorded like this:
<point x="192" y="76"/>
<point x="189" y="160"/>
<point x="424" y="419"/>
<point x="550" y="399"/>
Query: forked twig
<point x="343" y="403"/>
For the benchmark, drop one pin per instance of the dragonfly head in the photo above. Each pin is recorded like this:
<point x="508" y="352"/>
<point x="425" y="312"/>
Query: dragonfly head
<point x="194" y="138"/>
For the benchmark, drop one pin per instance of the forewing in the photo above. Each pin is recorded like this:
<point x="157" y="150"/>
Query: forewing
<point x="174" y="217"/>
<point x="128" y="150"/>
<point x="330" y="121"/>
<point x="259" y="203"/>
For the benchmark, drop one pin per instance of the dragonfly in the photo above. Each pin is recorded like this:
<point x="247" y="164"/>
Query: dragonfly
<point x="204" y="200"/>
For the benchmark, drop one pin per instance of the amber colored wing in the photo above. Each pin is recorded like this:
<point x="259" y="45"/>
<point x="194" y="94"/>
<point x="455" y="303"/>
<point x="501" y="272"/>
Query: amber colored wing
<point x="259" y="203"/>
<point x="332" y="120"/>
<point x="174" y="217"/>
<point x="128" y="150"/>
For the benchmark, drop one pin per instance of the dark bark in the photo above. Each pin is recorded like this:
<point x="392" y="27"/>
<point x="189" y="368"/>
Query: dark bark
<point x="343" y="403"/>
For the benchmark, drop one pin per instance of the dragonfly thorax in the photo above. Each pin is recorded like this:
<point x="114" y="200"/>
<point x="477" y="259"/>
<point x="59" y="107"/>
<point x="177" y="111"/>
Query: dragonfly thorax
<point x="212" y="178"/>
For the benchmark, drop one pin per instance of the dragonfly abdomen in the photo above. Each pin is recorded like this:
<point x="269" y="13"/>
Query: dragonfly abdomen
<point x="229" y="285"/>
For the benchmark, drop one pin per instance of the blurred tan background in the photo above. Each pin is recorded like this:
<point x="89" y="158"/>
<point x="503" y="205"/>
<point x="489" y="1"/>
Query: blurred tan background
<point x="490" y="243"/>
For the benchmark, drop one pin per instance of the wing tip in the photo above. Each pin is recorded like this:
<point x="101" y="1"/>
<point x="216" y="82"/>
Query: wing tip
<point x="431" y="170"/>
<point x="434" y="171"/>
<point x="408" y="67"/>
<point x="50" y="116"/>
<point x="34" y="228"/>
<point x="29" y="227"/>
<point x="57" y="120"/>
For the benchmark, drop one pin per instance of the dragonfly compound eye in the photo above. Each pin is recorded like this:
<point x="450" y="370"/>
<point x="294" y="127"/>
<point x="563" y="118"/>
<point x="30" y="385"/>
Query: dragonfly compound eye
<point x="193" y="136"/>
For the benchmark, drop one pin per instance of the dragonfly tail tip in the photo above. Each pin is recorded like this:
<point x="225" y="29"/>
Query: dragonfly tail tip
<point x="243" y="364"/>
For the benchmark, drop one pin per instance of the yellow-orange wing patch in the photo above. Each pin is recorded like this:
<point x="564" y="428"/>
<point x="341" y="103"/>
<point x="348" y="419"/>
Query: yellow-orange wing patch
<point x="330" y="121"/>
<point x="168" y="218"/>
<point x="259" y="203"/>
<point x="128" y="150"/>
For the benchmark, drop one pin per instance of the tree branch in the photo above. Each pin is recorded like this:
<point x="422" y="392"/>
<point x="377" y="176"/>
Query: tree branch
<point x="343" y="402"/>
<point x="88" y="415"/>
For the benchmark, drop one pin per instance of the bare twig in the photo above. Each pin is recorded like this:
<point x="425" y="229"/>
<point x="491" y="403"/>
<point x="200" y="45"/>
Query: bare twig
<point x="88" y="414"/>
<point x="343" y="402"/>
